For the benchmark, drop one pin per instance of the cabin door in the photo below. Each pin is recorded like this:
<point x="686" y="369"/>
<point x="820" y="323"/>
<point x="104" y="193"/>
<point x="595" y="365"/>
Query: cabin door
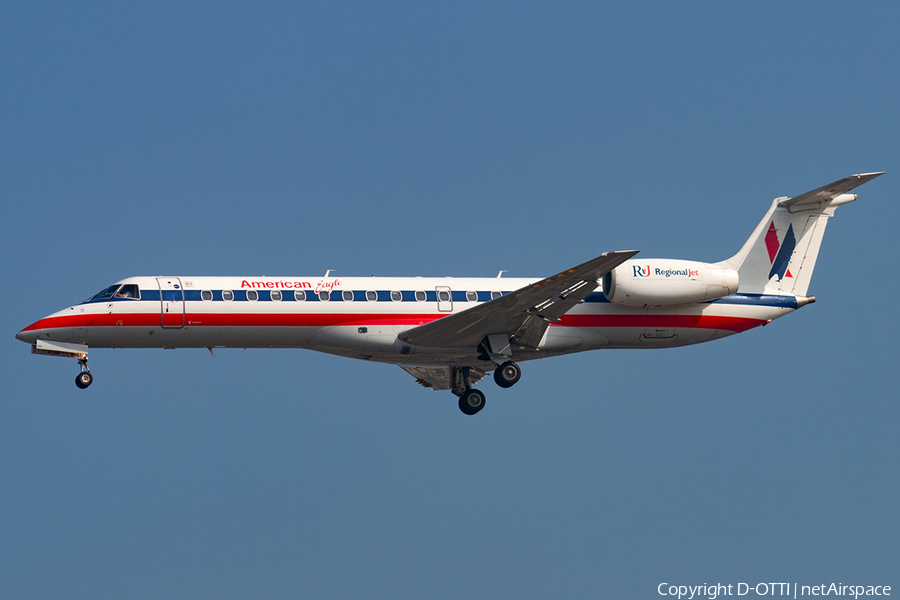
<point x="171" y="296"/>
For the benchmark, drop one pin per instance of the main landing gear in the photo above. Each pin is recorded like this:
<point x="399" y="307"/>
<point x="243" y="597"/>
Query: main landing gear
<point x="471" y="401"/>
<point x="84" y="379"/>
<point x="507" y="374"/>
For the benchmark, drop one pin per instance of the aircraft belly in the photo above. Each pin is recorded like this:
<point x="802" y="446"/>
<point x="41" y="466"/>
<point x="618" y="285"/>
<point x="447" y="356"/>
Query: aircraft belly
<point x="200" y="337"/>
<point x="369" y="339"/>
<point x="563" y="340"/>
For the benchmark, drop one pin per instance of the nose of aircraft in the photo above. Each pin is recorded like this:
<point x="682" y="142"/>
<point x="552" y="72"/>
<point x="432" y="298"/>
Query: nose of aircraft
<point x="27" y="335"/>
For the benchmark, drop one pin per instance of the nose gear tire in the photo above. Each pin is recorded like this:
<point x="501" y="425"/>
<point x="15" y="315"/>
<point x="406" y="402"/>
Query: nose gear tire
<point x="84" y="379"/>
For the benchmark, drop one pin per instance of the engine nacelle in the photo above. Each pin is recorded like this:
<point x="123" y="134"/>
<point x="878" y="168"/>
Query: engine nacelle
<point x="663" y="282"/>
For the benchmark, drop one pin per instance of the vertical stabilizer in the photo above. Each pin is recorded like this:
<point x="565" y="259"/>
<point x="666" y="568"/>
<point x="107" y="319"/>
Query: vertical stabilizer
<point x="780" y="255"/>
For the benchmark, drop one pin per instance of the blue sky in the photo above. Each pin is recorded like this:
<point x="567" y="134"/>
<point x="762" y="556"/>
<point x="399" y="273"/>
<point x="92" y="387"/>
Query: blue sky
<point x="414" y="139"/>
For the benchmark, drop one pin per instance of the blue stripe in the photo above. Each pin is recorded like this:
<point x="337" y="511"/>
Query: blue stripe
<point x="288" y="296"/>
<point x="757" y="300"/>
<point x="737" y="299"/>
<point x="775" y="301"/>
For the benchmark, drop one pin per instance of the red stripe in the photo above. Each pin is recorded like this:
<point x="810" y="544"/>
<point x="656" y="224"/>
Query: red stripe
<point x="736" y="324"/>
<point x="305" y="320"/>
<point x="231" y="320"/>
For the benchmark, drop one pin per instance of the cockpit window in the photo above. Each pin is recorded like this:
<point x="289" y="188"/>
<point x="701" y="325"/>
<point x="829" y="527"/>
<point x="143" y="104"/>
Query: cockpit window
<point x="129" y="290"/>
<point x="107" y="293"/>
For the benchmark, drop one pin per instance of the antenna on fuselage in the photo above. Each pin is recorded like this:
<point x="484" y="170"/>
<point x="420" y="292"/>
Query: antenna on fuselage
<point x="328" y="272"/>
<point x="500" y="274"/>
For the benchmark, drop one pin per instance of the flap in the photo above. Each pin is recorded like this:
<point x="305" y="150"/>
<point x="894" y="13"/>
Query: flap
<point x="438" y="378"/>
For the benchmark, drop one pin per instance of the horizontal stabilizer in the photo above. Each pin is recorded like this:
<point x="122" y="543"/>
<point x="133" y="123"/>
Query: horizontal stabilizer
<point x="829" y="192"/>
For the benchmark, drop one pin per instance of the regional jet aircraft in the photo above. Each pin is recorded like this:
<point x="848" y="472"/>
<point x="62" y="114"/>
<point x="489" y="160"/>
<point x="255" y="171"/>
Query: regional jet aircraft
<point x="448" y="333"/>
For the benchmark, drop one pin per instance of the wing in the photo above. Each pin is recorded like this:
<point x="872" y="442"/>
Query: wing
<point x="524" y="314"/>
<point x="830" y="191"/>
<point x="439" y="378"/>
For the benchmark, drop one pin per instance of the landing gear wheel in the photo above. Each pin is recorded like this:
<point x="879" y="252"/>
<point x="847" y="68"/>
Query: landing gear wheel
<point x="84" y="379"/>
<point x="507" y="374"/>
<point x="471" y="402"/>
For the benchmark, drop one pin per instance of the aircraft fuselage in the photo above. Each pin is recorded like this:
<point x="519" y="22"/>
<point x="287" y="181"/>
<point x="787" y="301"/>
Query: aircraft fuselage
<point x="363" y="317"/>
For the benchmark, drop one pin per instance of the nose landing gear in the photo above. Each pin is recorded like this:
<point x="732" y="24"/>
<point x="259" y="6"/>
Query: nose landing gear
<point x="84" y="379"/>
<point x="67" y="350"/>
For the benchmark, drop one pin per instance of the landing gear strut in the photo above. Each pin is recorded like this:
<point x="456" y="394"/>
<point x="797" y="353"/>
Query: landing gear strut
<point x="84" y="379"/>
<point x="507" y="374"/>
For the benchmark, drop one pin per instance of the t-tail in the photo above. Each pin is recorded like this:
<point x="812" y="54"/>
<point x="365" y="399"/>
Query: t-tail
<point x="780" y="255"/>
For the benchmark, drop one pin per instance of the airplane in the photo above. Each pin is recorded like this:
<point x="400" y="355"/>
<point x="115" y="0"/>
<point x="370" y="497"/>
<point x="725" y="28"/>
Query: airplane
<point x="449" y="333"/>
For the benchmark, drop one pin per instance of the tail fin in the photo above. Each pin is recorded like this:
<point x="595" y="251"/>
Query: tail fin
<point x="781" y="253"/>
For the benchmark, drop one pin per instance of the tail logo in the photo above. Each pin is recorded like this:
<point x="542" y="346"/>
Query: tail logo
<point x="772" y="242"/>
<point x="641" y="271"/>
<point x="780" y="253"/>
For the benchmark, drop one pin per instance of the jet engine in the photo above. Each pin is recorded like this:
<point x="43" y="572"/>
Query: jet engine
<point x="662" y="282"/>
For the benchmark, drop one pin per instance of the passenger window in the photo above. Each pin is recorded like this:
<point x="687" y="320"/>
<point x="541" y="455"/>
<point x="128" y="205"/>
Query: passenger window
<point x="371" y="296"/>
<point x="324" y="296"/>
<point x="206" y="295"/>
<point x="471" y="296"/>
<point x="396" y="296"/>
<point x="420" y="296"/>
<point x="227" y="295"/>
<point x="495" y="295"/>
<point x="276" y="295"/>
<point x="299" y="295"/>
<point x="444" y="296"/>
<point x="347" y="295"/>
<point x="252" y="295"/>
